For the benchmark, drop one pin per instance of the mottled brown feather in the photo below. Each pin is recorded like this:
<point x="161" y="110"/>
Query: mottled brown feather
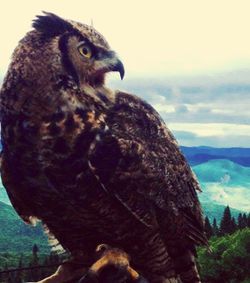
<point x="95" y="165"/>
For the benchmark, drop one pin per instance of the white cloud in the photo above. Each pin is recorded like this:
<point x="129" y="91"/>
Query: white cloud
<point x="234" y="196"/>
<point x="223" y="111"/>
<point x="155" y="98"/>
<point x="164" y="108"/>
<point x="212" y="129"/>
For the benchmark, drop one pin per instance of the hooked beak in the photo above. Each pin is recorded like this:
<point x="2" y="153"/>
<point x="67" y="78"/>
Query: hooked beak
<point x="108" y="61"/>
<point x="114" y="63"/>
<point x="118" y="67"/>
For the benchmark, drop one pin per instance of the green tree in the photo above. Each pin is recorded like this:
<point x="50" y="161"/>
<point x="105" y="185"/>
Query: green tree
<point x="19" y="274"/>
<point x="215" y="227"/>
<point x="233" y="225"/>
<point x="248" y="220"/>
<point x="34" y="274"/>
<point x="5" y="275"/>
<point x="35" y="250"/>
<point x="226" y="222"/>
<point x="208" y="228"/>
<point x="244" y="220"/>
<point x="229" y="261"/>
<point x="240" y="221"/>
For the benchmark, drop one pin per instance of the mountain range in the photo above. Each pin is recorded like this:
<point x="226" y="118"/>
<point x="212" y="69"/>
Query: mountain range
<point x="201" y="154"/>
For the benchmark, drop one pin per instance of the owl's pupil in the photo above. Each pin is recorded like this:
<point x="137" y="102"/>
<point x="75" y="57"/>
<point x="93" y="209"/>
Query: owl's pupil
<point x="85" y="51"/>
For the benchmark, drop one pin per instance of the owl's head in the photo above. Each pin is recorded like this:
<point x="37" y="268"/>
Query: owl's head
<point x="83" y="52"/>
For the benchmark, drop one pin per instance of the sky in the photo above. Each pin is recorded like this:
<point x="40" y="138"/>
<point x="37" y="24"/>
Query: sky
<point x="190" y="59"/>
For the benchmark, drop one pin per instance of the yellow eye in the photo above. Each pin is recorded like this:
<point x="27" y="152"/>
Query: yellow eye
<point x="85" y="51"/>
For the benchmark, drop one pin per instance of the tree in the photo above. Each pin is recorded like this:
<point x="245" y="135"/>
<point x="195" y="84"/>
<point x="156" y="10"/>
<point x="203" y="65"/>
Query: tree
<point x="244" y="220"/>
<point x="35" y="249"/>
<point x="228" y="260"/>
<point x="208" y="228"/>
<point x="226" y="222"/>
<point x="215" y="228"/>
<point x="19" y="274"/>
<point x="34" y="273"/>
<point x="248" y="220"/>
<point x="240" y="221"/>
<point x="233" y="225"/>
<point x="5" y="276"/>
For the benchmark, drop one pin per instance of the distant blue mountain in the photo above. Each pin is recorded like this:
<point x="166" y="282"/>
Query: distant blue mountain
<point x="224" y="183"/>
<point x="202" y="154"/>
<point x="223" y="171"/>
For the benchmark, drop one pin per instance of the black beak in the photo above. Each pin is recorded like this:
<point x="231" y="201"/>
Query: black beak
<point x="118" y="67"/>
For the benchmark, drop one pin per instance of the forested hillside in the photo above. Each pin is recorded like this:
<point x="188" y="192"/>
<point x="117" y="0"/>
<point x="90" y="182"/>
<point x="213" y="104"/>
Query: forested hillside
<point x="16" y="236"/>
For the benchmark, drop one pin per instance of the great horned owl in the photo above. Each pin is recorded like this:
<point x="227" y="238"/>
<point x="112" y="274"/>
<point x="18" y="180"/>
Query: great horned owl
<point x="95" y="165"/>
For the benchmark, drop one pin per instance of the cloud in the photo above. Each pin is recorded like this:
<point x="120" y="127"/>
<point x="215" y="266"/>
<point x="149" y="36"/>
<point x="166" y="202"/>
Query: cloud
<point x="205" y="115"/>
<point x="212" y="134"/>
<point x="201" y="111"/>
<point x="212" y="129"/>
<point x="234" y="196"/>
<point x="184" y="135"/>
<point x="179" y="102"/>
<point x="190" y="139"/>
<point x="153" y="97"/>
<point x="181" y="108"/>
<point x="164" y="108"/>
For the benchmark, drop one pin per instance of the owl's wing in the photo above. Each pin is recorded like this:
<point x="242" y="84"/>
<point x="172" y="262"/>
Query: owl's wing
<point x="137" y="161"/>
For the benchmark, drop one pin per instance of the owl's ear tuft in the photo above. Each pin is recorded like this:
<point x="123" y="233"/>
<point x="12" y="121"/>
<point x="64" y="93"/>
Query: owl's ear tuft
<point x="51" y="25"/>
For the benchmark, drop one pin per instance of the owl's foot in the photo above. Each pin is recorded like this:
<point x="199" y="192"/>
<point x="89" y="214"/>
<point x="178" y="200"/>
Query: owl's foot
<point x="112" y="265"/>
<point x="65" y="273"/>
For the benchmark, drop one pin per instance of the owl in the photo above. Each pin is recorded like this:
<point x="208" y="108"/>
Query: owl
<point x="93" y="164"/>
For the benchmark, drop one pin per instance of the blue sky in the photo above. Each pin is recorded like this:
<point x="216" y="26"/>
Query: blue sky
<point x="190" y="59"/>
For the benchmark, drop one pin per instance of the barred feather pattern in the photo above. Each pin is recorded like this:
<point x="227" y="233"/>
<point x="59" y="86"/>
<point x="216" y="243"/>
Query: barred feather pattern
<point x="96" y="166"/>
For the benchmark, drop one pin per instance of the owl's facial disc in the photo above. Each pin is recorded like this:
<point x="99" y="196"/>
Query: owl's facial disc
<point x="102" y="60"/>
<point x="87" y="62"/>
